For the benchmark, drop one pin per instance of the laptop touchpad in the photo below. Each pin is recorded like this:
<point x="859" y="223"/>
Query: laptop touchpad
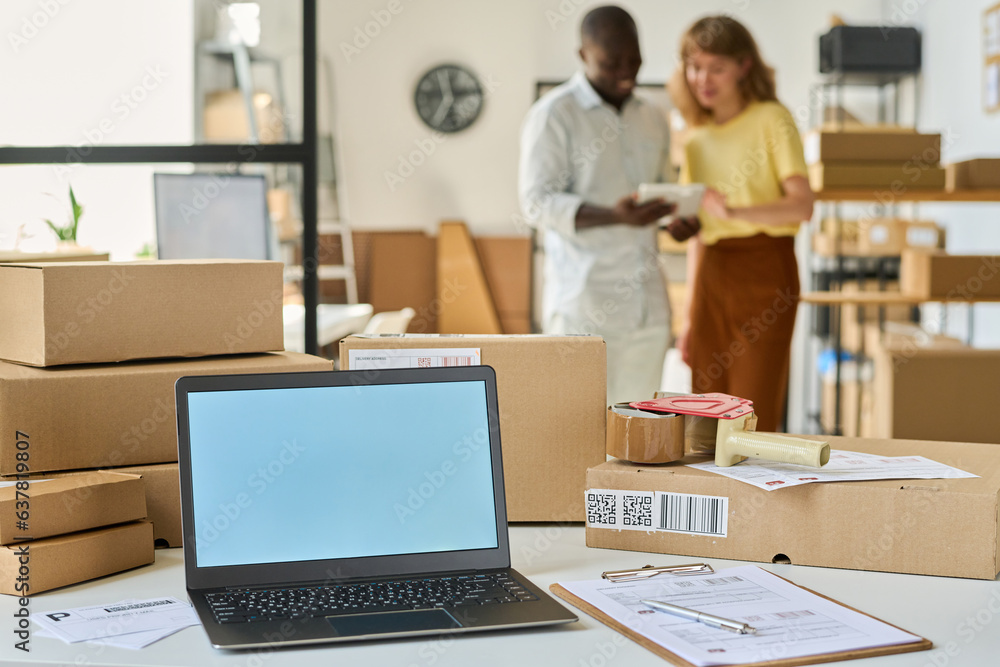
<point x="393" y="621"/>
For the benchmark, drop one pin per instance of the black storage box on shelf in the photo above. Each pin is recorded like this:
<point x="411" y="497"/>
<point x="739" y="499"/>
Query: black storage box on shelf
<point x="869" y="49"/>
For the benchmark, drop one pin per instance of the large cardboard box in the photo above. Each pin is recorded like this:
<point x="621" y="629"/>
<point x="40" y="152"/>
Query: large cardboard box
<point x="938" y="275"/>
<point x="943" y="392"/>
<point x="551" y="392"/>
<point x="895" y="176"/>
<point x="877" y="144"/>
<point x="946" y="527"/>
<point x="69" y="504"/>
<point x="973" y="174"/>
<point x="101" y="312"/>
<point x="69" y="559"/>
<point x="162" y="483"/>
<point x="111" y="414"/>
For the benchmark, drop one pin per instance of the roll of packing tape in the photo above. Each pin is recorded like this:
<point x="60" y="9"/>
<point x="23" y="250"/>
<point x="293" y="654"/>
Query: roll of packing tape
<point x="644" y="437"/>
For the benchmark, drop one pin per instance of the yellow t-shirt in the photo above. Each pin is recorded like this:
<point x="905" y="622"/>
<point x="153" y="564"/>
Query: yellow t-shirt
<point x="746" y="159"/>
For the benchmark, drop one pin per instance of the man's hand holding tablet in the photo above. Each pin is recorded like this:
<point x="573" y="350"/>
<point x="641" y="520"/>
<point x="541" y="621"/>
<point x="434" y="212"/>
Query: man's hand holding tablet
<point x="684" y="223"/>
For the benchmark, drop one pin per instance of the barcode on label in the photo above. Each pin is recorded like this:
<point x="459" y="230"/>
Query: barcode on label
<point x="141" y="605"/>
<point x="685" y="513"/>
<point x="457" y="361"/>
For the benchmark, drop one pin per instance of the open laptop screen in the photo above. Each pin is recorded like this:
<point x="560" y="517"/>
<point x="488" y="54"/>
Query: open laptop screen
<point x="329" y="472"/>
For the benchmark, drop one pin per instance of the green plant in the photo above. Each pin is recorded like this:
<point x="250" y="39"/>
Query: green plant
<point x="68" y="231"/>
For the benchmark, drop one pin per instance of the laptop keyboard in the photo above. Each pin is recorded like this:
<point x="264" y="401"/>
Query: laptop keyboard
<point x="255" y="604"/>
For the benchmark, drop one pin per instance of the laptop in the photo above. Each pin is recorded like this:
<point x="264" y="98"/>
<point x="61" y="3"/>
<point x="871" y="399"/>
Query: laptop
<point x="348" y="505"/>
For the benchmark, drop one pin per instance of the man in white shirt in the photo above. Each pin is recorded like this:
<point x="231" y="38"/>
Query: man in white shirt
<point x="585" y="148"/>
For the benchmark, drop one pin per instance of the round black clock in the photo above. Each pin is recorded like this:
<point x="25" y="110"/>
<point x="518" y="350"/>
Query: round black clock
<point x="448" y="98"/>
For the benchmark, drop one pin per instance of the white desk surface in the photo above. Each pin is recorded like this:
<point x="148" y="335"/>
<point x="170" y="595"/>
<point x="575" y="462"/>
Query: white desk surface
<point x="961" y="617"/>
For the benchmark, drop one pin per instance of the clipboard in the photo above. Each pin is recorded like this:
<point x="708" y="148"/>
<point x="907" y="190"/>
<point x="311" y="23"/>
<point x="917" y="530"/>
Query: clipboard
<point x="922" y="645"/>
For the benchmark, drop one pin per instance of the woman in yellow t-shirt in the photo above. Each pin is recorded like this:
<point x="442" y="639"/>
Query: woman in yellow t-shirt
<point x="744" y="145"/>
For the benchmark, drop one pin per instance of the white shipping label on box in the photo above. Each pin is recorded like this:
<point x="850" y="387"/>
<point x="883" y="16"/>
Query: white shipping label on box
<point x="414" y="358"/>
<point x="657" y="511"/>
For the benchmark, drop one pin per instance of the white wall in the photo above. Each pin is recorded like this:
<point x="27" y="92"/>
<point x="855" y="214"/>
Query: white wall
<point x="79" y="73"/>
<point x="472" y="175"/>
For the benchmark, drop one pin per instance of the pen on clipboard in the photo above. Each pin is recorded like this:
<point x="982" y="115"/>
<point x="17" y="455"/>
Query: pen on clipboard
<point x="701" y="617"/>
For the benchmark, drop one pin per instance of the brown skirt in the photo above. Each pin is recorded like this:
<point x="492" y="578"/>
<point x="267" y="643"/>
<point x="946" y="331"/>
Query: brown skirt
<point x="743" y="305"/>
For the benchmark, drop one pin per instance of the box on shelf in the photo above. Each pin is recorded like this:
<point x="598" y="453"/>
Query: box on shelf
<point x="225" y="118"/>
<point x="898" y="177"/>
<point x="945" y="527"/>
<point x="938" y="275"/>
<point x="925" y="234"/>
<point x="551" y="392"/>
<point x="876" y="237"/>
<point x="905" y="335"/>
<point x="163" y="500"/>
<point x="70" y="504"/>
<point x="941" y="392"/>
<point x="973" y="174"/>
<point x="101" y="312"/>
<point x="875" y="143"/>
<point x="856" y="418"/>
<point x="59" y="561"/>
<point x="853" y="318"/>
<point x="110" y="414"/>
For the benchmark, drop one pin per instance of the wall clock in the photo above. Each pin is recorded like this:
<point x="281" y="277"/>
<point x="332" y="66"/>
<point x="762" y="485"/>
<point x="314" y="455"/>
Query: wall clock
<point x="448" y="98"/>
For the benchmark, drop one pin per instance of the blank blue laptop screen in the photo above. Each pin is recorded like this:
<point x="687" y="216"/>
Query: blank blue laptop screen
<point x="282" y="475"/>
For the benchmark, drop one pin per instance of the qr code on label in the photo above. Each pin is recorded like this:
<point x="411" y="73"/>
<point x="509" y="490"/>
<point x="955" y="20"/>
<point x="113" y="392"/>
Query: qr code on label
<point x="601" y="509"/>
<point x="423" y="362"/>
<point x="637" y="510"/>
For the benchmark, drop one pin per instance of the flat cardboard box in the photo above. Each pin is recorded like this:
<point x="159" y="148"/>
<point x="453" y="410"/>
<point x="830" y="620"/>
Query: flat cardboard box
<point x="551" y="392"/>
<point x="74" y="255"/>
<point x="70" y="504"/>
<point x="937" y="393"/>
<point x="876" y="144"/>
<point x="937" y="275"/>
<point x="403" y="274"/>
<point x="70" y="559"/>
<point x="105" y="415"/>
<point x="973" y="174"/>
<point x="102" y="312"/>
<point x="163" y="500"/>
<point x="898" y="177"/>
<point x="506" y="264"/>
<point x="225" y="118"/>
<point x="945" y="527"/>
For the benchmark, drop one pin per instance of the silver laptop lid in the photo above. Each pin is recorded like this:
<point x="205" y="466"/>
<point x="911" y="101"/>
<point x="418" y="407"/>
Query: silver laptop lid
<point x="300" y="477"/>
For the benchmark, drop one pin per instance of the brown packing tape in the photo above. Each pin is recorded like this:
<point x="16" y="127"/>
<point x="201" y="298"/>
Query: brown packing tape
<point x="653" y="439"/>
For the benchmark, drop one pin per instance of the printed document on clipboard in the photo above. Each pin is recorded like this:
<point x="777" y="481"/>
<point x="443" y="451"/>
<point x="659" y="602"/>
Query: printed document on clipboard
<point x="791" y="622"/>
<point x="414" y="358"/>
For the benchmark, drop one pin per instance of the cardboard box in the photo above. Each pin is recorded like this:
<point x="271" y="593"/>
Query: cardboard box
<point x="163" y="500"/>
<point x="856" y="418"/>
<point x="110" y="415"/>
<point x="506" y="264"/>
<point x="925" y="234"/>
<point x="225" y="118"/>
<point x="876" y="237"/>
<point x="895" y="176"/>
<point x="945" y="527"/>
<point x="875" y="144"/>
<point x="973" y="174"/>
<point x="70" y="504"/>
<point x="75" y="255"/>
<point x="551" y="392"/>
<point x="937" y="393"/>
<point x="906" y="335"/>
<point x="101" y="312"/>
<point x="937" y="275"/>
<point x="854" y="318"/>
<point x="69" y="559"/>
<point x="403" y="274"/>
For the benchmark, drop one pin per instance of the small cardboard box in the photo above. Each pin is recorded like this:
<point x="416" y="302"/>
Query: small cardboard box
<point x="871" y="237"/>
<point x="69" y="504"/>
<point x="102" y="312"/>
<point x="973" y="174"/>
<point x="895" y="176"/>
<point x="876" y="145"/>
<point x="941" y="392"/>
<point x="945" y="527"/>
<point x="551" y="392"/>
<point x="34" y="567"/>
<point x="937" y="275"/>
<point x="163" y="500"/>
<point x="111" y="414"/>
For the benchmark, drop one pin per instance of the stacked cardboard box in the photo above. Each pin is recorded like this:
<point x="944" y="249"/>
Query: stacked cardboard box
<point x="93" y="350"/>
<point x="888" y="158"/>
<point x="973" y="174"/>
<point x="875" y="237"/>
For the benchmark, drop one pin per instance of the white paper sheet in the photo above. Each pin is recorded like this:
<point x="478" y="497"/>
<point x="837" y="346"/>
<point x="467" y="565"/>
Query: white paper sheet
<point x="843" y="467"/>
<point x="120" y="619"/>
<point x="790" y="621"/>
<point x="414" y="358"/>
